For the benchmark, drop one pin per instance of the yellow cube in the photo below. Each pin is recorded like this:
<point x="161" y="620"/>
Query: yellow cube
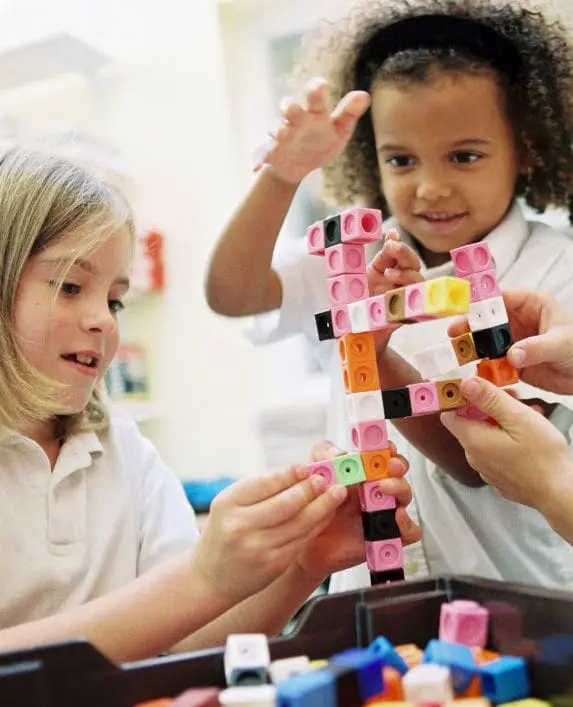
<point x="446" y="296"/>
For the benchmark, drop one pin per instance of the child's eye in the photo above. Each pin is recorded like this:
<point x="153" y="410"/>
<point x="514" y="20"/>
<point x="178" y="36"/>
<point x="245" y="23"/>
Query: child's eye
<point x="465" y="157"/>
<point x="67" y="288"/>
<point x="116" y="306"/>
<point x="399" y="161"/>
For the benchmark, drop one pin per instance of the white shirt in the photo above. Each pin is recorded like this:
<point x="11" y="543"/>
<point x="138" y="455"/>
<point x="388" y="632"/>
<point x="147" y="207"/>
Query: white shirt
<point x="465" y="530"/>
<point x="108" y="512"/>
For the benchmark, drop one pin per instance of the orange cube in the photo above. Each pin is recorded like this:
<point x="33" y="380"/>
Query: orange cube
<point x="355" y="348"/>
<point x="361" y="377"/>
<point x="482" y="655"/>
<point x="376" y="464"/>
<point x="410" y="654"/>
<point x="498" y="371"/>
<point x="449" y="394"/>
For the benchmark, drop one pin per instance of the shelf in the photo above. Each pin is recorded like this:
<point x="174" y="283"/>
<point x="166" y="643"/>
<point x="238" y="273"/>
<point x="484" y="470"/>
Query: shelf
<point x="137" y="410"/>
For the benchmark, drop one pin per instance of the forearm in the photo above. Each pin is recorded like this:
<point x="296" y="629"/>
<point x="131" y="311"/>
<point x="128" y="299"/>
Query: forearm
<point x="557" y="507"/>
<point x="266" y="612"/>
<point x="137" y="621"/>
<point x="426" y="432"/>
<point x="240" y="279"/>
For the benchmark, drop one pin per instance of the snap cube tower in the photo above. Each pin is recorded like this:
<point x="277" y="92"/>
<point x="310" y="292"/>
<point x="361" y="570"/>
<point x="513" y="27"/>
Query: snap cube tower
<point x="353" y="319"/>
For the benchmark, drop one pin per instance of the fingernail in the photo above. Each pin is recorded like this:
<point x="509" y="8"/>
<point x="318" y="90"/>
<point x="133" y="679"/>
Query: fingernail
<point x="339" y="492"/>
<point x="517" y="356"/>
<point x="302" y="472"/>
<point x="335" y="451"/>
<point x="470" y="387"/>
<point x="318" y="482"/>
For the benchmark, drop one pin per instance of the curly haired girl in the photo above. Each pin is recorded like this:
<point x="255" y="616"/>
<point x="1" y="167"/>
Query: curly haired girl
<point x="449" y="115"/>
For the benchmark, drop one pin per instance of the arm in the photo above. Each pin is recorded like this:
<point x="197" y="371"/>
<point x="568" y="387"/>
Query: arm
<point x="240" y="279"/>
<point x="426" y="433"/>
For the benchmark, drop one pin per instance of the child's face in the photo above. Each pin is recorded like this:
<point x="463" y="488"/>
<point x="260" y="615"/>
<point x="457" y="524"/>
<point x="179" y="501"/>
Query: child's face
<point x="447" y="156"/>
<point x="72" y="335"/>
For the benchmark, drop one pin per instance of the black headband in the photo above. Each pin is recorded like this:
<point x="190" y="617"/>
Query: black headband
<point x="433" y="32"/>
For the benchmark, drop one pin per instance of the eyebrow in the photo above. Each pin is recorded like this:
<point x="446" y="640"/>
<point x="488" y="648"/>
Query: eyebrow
<point x="84" y="265"/>
<point x="390" y="147"/>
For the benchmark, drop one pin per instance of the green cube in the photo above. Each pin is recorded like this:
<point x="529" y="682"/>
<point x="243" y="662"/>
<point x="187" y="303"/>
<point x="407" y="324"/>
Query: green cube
<point x="349" y="469"/>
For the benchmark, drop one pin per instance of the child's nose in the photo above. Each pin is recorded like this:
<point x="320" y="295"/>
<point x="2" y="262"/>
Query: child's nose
<point x="433" y="186"/>
<point x="99" y="319"/>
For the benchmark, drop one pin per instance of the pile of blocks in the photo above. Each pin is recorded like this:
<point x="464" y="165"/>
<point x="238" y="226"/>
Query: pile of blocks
<point x="353" y="319"/>
<point x="456" y="666"/>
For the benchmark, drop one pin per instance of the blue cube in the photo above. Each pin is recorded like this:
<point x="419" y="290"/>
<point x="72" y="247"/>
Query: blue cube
<point x="505" y="679"/>
<point x="368" y="666"/>
<point x="458" y="658"/>
<point x="316" y="688"/>
<point x="388" y="654"/>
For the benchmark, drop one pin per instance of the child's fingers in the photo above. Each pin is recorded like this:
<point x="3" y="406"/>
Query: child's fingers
<point x="398" y="466"/>
<point x="458" y="327"/>
<point x="323" y="451"/>
<point x="316" y="95"/>
<point x="248" y="492"/>
<point x="409" y="531"/>
<point x="392" y="235"/>
<point x="399" y="488"/>
<point x="401" y="278"/>
<point x="405" y="258"/>
<point x="349" y="111"/>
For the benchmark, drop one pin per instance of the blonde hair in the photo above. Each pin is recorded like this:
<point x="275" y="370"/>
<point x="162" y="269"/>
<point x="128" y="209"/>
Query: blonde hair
<point x="44" y="198"/>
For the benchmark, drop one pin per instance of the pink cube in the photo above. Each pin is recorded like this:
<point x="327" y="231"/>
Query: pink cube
<point x="414" y="297"/>
<point x="347" y="288"/>
<point x="315" y="238"/>
<point x="469" y="259"/>
<point x="486" y="285"/>
<point x="361" y="225"/>
<point x="369" y="435"/>
<point x="383" y="555"/>
<point x="324" y="469"/>
<point x="464" y="622"/>
<point x="423" y="398"/>
<point x="340" y="320"/>
<point x="345" y="259"/>
<point x="472" y="279"/>
<point x="376" y="312"/>
<point x="472" y="412"/>
<point x="372" y="499"/>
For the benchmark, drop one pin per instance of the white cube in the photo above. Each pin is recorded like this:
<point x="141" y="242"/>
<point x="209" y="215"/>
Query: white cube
<point x="487" y="313"/>
<point x="287" y="667"/>
<point x="365" y="406"/>
<point x="252" y="696"/>
<point x="246" y="657"/>
<point x="437" y="360"/>
<point x="358" y="315"/>
<point x="428" y="683"/>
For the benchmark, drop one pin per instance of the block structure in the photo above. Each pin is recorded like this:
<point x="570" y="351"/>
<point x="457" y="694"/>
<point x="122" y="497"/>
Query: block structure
<point x="354" y="317"/>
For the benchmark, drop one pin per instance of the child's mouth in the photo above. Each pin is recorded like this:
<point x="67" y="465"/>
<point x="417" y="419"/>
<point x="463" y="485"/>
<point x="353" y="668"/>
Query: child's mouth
<point x="83" y="362"/>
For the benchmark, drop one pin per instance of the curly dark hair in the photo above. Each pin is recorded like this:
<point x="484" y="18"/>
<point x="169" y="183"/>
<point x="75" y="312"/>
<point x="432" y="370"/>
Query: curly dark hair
<point x="539" y="101"/>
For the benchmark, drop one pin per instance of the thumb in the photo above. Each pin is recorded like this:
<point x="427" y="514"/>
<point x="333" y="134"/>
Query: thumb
<point x="556" y="346"/>
<point x="493" y="401"/>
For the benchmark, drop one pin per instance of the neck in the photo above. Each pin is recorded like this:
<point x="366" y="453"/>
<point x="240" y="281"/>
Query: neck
<point x="431" y="259"/>
<point x="44" y="434"/>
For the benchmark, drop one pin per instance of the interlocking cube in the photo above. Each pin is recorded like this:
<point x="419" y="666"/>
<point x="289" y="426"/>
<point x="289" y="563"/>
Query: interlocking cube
<point x="345" y="259"/>
<point x="285" y="668"/>
<point x="316" y="687"/>
<point x="465" y="622"/>
<point x="349" y="469"/>
<point x="324" y="326"/>
<point x="369" y="435"/>
<point x="498" y="371"/>
<point x="410" y="653"/>
<point x="246" y="659"/>
<point x="395" y="302"/>
<point x="483" y="285"/>
<point x="376" y="312"/>
<point x="332" y="232"/>
<point x="396" y="402"/>
<point x="423" y="398"/>
<point x="494" y="342"/>
<point x="435" y="361"/>
<point x="340" y="321"/>
<point x="373" y="499"/>
<point x="347" y="288"/>
<point x="358" y="316"/>
<point x="380" y="525"/>
<point x="457" y="658"/>
<point x="360" y="377"/>
<point x="384" y="555"/>
<point x="487" y="313"/>
<point x="428" y="684"/>
<point x="315" y="238"/>
<point x="449" y="394"/>
<point x="376" y="464"/>
<point x="446" y="296"/>
<point x="244" y="696"/>
<point x="356" y="348"/>
<point x="505" y="679"/>
<point x="470" y="259"/>
<point x="414" y="303"/>
<point x="365" y="406"/>
<point x="464" y="348"/>
<point x="361" y="225"/>
<point x="325" y="469"/>
<point x="368" y="667"/>
<point x="382" y="647"/>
